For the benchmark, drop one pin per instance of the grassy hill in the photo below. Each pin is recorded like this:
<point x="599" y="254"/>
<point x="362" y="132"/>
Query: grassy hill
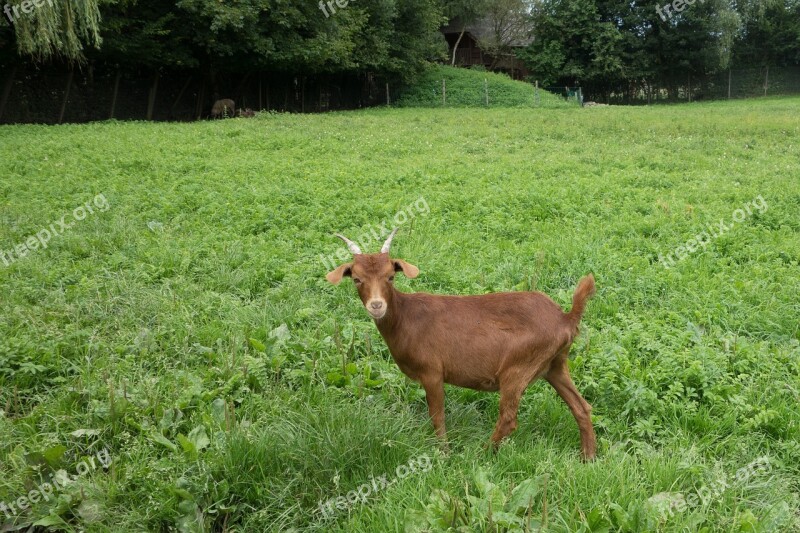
<point x="467" y="88"/>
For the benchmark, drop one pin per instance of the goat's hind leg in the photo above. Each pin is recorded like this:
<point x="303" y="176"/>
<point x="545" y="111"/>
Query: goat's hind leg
<point x="513" y="383"/>
<point x="510" y="396"/>
<point x="558" y="376"/>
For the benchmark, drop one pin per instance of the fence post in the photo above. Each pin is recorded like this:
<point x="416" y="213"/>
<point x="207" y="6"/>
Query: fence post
<point x="766" y="81"/>
<point x="536" y="94"/>
<point x="388" y="101"/>
<point x="7" y="91"/>
<point x="66" y="96"/>
<point x="201" y="96"/>
<point x="180" y="95"/>
<point x="444" y="93"/>
<point x="151" y="99"/>
<point x="486" y="90"/>
<point x="729" y="83"/>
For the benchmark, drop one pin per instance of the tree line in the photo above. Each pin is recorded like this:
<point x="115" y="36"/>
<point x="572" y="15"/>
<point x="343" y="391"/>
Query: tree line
<point x="613" y="45"/>
<point x="602" y="45"/>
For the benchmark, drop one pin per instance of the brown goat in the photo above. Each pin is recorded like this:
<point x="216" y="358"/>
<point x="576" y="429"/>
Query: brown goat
<point x="501" y="341"/>
<point x="223" y="108"/>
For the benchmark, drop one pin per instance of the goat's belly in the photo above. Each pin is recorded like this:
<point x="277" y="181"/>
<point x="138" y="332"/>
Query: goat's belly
<point x="469" y="382"/>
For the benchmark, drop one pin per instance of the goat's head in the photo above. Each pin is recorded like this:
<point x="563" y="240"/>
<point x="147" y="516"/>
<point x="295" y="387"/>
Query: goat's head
<point x="373" y="275"/>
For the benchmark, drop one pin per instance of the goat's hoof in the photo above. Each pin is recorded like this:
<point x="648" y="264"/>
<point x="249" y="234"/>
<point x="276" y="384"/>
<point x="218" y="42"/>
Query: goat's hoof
<point x="444" y="447"/>
<point x="588" y="458"/>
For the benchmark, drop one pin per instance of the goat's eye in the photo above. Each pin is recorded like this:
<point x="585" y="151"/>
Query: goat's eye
<point x="391" y="278"/>
<point x="357" y="281"/>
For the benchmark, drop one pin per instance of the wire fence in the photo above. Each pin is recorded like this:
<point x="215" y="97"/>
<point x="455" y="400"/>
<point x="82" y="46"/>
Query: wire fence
<point x="101" y="92"/>
<point x="729" y="84"/>
<point x="491" y="91"/>
<point x="573" y="94"/>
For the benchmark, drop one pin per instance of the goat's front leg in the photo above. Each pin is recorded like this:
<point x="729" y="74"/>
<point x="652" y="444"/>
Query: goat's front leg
<point x="434" y="395"/>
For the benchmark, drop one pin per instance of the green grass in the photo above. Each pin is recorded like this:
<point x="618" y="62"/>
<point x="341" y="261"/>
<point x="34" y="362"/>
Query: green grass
<point x="190" y="329"/>
<point x="468" y="88"/>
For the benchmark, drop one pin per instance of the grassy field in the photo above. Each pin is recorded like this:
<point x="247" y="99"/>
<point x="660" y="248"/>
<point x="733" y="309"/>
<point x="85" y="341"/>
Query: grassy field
<point x="176" y="361"/>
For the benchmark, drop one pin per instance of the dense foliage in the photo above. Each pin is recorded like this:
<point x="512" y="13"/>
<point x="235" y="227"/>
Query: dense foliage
<point x="391" y="37"/>
<point x="604" y="45"/>
<point x="609" y="45"/>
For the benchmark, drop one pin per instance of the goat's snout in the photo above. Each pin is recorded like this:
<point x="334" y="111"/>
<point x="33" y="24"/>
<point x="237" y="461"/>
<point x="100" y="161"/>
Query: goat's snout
<point x="376" y="308"/>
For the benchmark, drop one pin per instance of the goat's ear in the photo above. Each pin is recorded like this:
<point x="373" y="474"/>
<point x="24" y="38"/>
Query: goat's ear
<point x="343" y="271"/>
<point x="409" y="270"/>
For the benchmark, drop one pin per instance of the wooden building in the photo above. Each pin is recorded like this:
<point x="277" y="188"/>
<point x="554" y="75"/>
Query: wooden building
<point x="470" y="53"/>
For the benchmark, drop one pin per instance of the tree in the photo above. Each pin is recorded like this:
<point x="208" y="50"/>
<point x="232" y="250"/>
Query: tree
<point x="57" y="29"/>
<point x="573" y="44"/>
<point x="510" y="25"/>
<point x="770" y="33"/>
<point x="625" y="47"/>
<point x="388" y="36"/>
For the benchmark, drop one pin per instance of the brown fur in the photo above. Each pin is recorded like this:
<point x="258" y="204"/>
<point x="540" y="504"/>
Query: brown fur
<point x="223" y="108"/>
<point x="501" y="341"/>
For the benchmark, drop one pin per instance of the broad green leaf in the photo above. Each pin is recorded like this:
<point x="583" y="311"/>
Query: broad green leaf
<point x="53" y="455"/>
<point x="218" y="408"/>
<point x="188" y="446"/>
<point x="52" y="521"/>
<point x="162" y="440"/>
<point x="524" y="495"/>
<point x="199" y="438"/>
<point x="85" y="433"/>
<point x="281" y="334"/>
<point x="257" y="345"/>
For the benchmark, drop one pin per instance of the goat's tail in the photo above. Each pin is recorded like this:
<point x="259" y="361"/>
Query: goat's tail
<point x="583" y="292"/>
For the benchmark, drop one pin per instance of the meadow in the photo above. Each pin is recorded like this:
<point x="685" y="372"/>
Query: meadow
<point x="184" y="328"/>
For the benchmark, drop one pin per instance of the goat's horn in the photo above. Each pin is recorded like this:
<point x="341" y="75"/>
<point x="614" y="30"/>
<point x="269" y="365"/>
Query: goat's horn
<point x="354" y="249"/>
<point x="388" y="243"/>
